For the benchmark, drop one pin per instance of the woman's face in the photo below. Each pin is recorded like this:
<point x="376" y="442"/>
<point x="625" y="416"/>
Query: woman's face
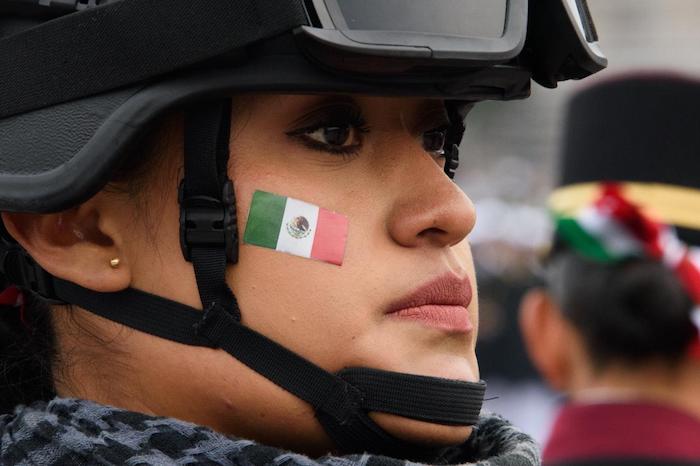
<point x="363" y="157"/>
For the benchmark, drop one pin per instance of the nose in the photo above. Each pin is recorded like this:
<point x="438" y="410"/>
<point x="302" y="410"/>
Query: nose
<point x="431" y="210"/>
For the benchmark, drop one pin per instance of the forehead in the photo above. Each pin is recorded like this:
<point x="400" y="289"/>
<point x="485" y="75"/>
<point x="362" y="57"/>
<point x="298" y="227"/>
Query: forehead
<point x="280" y="103"/>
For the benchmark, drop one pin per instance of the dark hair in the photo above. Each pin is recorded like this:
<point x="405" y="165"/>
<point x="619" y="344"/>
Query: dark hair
<point x="28" y="355"/>
<point x="627" y="312"/>
<point x="27" y="351"/>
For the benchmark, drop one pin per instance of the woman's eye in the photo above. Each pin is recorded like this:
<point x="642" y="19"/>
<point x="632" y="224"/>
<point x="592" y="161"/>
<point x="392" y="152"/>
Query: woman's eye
<point x="336" y="137"/>
<point x="344" y="139"/>
<point x="335" y="128"/>
<point x="434" y="141"/>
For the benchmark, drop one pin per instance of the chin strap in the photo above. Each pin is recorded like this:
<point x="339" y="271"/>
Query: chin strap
<point x="208" y="232"/>
<point x="209" y="239"/>
<point x="342" y="401"/>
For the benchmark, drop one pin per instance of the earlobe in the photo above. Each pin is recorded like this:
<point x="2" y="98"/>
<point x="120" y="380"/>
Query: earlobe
<point x="545" y="339"/>
<point x="76" y="245"/>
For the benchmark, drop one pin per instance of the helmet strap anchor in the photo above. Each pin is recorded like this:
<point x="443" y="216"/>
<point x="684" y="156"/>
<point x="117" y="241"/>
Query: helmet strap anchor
<point x="208" y="230"/>
<point x="456" y="112"/>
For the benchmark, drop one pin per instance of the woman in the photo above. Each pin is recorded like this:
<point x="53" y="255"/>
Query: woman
<point x="223" y="319"/>
<point x="618" y="327"/>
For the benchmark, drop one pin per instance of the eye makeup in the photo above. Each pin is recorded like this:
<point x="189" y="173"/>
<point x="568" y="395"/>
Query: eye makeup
<point x="335" y="127"/>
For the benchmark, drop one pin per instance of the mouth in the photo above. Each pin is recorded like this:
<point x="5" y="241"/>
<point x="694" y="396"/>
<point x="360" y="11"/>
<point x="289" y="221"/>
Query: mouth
<point x="441" y="304"/>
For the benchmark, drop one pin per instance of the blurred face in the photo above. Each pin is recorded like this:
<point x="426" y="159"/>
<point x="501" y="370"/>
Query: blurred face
<point x="404" y="298"/>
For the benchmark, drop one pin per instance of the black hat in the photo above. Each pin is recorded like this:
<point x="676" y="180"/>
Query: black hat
<point x="77" y="92"/>
<point x="642" y="130"/>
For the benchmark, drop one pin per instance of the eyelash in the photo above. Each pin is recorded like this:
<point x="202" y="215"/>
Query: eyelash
<point x="442" y="130"/>
<point x="346" y="117"/>
<point x="343" y="117"/>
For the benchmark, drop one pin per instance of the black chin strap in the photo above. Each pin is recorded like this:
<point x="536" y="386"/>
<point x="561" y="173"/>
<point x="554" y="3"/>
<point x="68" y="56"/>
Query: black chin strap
<point x="342" y="401"/>
<point x="208" y="233"/>
<point x="209" y="239"/>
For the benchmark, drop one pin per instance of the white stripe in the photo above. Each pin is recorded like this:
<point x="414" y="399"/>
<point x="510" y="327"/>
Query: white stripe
<point x="287" y="242"/>
<point x="695" y="317"/>
<point x="674" y="251"/>
<point x="615" y="237"/>
<point x="694" y="256"/>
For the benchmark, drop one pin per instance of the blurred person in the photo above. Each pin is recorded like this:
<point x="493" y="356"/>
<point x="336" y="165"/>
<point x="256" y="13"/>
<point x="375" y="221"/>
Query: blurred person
<point x="616" y="327"/>
<point x="233" y="231"/>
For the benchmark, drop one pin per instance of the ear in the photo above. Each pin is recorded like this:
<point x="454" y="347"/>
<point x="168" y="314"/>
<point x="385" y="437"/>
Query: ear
<point x="548" y="338"/>
<point x="76" y="245"/>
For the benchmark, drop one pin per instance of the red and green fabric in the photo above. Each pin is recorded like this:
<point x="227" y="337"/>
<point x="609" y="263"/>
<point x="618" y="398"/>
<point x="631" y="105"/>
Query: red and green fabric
<point x="613" y="229"/>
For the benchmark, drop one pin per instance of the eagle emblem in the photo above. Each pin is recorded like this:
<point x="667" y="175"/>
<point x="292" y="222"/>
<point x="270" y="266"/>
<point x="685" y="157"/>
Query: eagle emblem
<point x="298" y="227"/>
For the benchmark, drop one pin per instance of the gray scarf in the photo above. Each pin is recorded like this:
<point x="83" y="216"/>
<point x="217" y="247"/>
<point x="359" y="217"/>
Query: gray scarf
<point x="79" y="432"/>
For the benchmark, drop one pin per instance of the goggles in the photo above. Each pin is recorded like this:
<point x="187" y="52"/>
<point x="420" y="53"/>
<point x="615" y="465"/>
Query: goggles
<point x="400" y="36"/>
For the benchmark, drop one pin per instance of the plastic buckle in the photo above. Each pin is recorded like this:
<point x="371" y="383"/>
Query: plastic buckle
<point x="208" y="222"/>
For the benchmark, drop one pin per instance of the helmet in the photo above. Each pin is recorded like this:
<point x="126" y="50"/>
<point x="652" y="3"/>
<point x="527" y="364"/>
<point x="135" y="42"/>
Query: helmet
<point x="77" y="91"/>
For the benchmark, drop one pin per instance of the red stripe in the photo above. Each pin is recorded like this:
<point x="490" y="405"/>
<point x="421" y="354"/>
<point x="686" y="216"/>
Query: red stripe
<point x="690" y="277"/>
<point x="330" y="237"/>
<point x="630" y="216"/>
<point x="648" y="232"/>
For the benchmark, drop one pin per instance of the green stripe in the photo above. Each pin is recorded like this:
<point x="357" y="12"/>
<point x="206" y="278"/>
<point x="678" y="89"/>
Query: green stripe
<point x="581" y="241"/>
<point x="264" y="219"/>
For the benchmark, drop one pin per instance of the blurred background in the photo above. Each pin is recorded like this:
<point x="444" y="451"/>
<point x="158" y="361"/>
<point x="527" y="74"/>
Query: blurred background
<point x="509" y="165"/>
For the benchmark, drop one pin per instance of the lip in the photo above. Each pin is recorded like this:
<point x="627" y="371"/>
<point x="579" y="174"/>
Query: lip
<point x="442" y="304"/>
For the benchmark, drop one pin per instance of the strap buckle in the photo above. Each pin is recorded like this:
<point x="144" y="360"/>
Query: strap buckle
<point x="451" y="161"/>
<point x="207" y="222"/>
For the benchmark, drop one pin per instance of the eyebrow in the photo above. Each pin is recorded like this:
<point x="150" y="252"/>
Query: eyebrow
<point x="431" y="105"/>
<point x="325" y="101"/>
<point x="428" y="111"/>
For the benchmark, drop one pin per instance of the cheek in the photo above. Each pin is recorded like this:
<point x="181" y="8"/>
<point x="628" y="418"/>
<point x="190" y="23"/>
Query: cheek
<point x="314" y="308"/>
<point x="155" y="257"/>
<point x="463" y="254"/>
<point x="299" y="303"/>
<point x="333" y="315"/>
<point x="311" y="307"/>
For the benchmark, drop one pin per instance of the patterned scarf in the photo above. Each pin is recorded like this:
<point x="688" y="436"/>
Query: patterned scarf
<point x="80" y="432"/>
<point x="613" y="229"/>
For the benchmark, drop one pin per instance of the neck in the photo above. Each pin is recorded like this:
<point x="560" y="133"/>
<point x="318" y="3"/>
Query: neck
<point x="675" y="386"/>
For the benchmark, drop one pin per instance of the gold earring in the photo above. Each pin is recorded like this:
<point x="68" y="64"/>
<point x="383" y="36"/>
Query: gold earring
<point x="114" y="263"/>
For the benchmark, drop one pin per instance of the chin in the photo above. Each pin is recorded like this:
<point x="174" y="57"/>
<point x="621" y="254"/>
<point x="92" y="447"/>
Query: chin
<point x="444" y="366"/>
<point x="422" y="432"/>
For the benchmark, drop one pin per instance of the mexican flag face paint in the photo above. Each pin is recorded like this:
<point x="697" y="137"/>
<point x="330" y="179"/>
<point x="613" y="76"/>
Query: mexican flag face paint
<point x="296" y="227"/>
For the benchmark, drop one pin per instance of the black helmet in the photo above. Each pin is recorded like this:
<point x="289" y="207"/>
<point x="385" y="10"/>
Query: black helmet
<point x="81" y="80"/>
